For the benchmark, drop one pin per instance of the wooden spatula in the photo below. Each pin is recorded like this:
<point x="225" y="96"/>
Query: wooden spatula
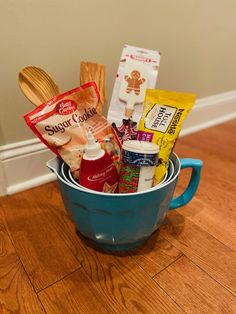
<point x="94" y="72"/>
<point x="37" y="85"/>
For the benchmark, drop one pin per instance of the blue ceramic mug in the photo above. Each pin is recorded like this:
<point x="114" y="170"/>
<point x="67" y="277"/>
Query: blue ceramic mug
<point x="120" y="222"/>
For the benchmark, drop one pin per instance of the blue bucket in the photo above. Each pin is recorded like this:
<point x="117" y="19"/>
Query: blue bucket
<point x="119" y="222"/>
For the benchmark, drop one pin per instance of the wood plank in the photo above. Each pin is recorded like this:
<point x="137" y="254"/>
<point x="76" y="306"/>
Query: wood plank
<point x="216" y="168"/>
<point x="41" y="248"/>
<point x="74" y="294"/>
<point x="213" y="207"/>
<point x="215" y="140"/>
<point x="126" y="286"/>
<point x="156" y="254"/>
<point x="194" y="290"/>
<point x="16" y="292"/>
<point x="215" y="218"/>
<point x="204" y="250"/>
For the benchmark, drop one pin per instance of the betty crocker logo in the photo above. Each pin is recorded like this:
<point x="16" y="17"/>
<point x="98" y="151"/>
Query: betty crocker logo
<point x="141" y="58"/>
<point x="66" y="107"/>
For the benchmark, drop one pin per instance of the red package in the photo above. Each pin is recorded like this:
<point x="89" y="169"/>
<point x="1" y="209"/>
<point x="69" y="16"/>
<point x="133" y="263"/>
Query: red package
<point x="62" y="124"/>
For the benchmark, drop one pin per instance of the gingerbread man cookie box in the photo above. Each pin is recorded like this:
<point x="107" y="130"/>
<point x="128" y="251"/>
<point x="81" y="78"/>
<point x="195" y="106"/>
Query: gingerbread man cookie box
<point x="138" y="70"/>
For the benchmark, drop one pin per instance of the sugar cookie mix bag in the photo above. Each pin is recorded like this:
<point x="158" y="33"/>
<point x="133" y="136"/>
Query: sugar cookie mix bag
<point x="62" y="124"/>
<point x="161" y="122"/>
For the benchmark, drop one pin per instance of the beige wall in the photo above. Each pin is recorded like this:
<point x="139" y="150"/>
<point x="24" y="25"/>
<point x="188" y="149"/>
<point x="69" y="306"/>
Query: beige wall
<point x="196" y="38"/>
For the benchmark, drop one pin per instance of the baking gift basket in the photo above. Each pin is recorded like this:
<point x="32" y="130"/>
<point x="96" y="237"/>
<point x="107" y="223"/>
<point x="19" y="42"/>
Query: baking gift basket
<point x="118" y="222"/>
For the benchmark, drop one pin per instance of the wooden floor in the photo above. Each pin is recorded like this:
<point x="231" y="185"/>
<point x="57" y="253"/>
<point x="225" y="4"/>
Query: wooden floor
<point x="188" y="266"/>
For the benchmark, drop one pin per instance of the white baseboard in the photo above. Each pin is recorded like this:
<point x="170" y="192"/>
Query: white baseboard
<point x="210" y="111"/>
<point x="22" y="164"/>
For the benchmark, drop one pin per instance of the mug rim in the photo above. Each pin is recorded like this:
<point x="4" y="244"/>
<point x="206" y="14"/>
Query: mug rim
<point x="171" y="173"/>
<point x="152" y="189"/>
<point x="64" y="175"/>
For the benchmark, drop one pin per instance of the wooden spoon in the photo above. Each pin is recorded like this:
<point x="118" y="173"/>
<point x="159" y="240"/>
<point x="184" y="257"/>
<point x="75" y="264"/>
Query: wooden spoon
<point x="37" y="85"/>
<point x="94" y="72"/>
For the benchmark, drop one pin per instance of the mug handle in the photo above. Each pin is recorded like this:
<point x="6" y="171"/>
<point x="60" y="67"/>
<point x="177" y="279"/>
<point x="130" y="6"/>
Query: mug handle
<point x="187" y="195"/>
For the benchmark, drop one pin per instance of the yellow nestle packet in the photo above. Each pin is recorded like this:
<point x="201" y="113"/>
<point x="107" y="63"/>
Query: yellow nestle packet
<point x="161" y="122"/>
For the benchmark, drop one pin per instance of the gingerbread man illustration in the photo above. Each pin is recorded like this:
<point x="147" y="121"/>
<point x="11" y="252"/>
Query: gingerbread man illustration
<point x="134" y="81"/>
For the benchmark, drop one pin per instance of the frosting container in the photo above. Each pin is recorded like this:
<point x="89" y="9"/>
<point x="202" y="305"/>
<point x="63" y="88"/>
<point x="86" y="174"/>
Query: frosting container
<point x="138" y="161"/>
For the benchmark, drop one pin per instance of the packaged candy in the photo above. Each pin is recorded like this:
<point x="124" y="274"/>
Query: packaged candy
<point x="138" y="70"/>
<point x="127" y="131"/>
<point x="161" y="122"/>
<point x="62" y="124"/>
